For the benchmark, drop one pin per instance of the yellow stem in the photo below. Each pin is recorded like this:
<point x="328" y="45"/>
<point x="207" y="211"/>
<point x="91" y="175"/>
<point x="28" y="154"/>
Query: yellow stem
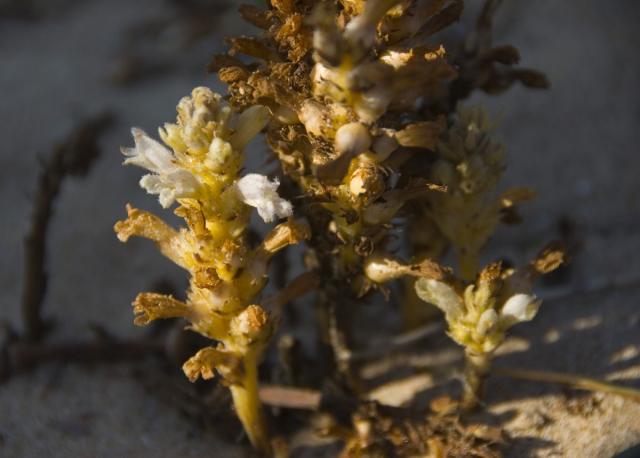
<point x="475" y="372"/>
<point x="248" y="407"/>
<point x="577" y="381"/>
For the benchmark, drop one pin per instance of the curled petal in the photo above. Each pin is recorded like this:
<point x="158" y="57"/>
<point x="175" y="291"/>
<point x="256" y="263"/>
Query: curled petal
<point x="441" y="295"/>
<point x="168" y="180"/>
<point x="148" y="153"/>
<point x="519" y="308"/>
<point x="257" y="191"/>
<point x="152" y="306"/>
<point x="203" y="363"/>
<point x="143" y="224"/>
<point x="140" y="223"/>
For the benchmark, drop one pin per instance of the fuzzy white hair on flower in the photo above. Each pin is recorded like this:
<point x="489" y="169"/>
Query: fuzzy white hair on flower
<point x="441" y="295"/>
<point x="167" y="180"/>
<point x="257" y="191"/>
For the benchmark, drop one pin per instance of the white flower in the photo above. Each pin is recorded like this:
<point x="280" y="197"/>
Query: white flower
<point x="442" y="296"/>
<point x="148" y="153"/>
<point x="519" y="307"/>
<point x="382" y="270"/>
<point x="257" y="191"/>
<point x="168" y="180"/>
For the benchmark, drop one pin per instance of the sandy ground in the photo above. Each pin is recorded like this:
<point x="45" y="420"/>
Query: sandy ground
<point x="575" y="144"/>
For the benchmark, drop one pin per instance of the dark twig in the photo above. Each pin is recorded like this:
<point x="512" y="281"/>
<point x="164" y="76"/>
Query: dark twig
<point x="72" y="157"/>
<point x="23" y="356"/>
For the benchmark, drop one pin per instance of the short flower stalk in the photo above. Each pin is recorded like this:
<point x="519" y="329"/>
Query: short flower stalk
<point x="200" y="171"/>
<point x="479" y="314"/>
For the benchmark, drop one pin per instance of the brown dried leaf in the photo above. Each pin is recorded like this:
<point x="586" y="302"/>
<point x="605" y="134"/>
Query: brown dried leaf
<point x="507" y="55"/>
<point x="514" y="196"/>
<point x="285" y="234"/>
<point x="429" y="269"/>
<point x="220" y="61"/>
<point x="421" y="134"/>
<point x="254" y="47"/>
<point x="256" y="16"/>
<point x="549" y="259"/>
<point x="450" y="14"/>
<point x="284" y="7"/>
<point x="232" y="74"/>
<point x="531" y="78"/>
<point x="490" y="273"/>
<point x="400" y="27"/>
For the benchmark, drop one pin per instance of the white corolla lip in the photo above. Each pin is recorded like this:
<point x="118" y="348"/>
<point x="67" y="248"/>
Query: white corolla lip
<point x="257" y="191"/>
<point x="167" y="180"/>
<point x="520" y="307"/>
<point x="148" y="153"/>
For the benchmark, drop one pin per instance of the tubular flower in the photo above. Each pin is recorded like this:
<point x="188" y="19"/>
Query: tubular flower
<point x="201" y="172"/>
<point x="479" y="314"/>
<point x="167" y="179"/>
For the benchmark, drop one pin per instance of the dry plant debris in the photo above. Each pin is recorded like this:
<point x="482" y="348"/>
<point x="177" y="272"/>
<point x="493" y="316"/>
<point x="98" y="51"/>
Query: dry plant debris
<point x="73" y="157"/>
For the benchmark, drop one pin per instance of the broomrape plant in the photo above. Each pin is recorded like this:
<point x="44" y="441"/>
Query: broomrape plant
<point x="362" y="107"/>
<point x="201" y="172"/>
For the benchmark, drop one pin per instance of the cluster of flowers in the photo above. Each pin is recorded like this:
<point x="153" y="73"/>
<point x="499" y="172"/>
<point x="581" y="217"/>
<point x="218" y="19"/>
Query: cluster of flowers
<point x="201" y="172"/>
<point x="365" y="118"/>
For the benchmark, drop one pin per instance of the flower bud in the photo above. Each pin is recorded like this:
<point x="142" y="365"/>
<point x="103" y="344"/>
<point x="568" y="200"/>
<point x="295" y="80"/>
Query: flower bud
<point x="352" y="138"/>
<point x="382" y="270"/>
<point x="519" y="308"/>
<point x="252" y="322"/>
